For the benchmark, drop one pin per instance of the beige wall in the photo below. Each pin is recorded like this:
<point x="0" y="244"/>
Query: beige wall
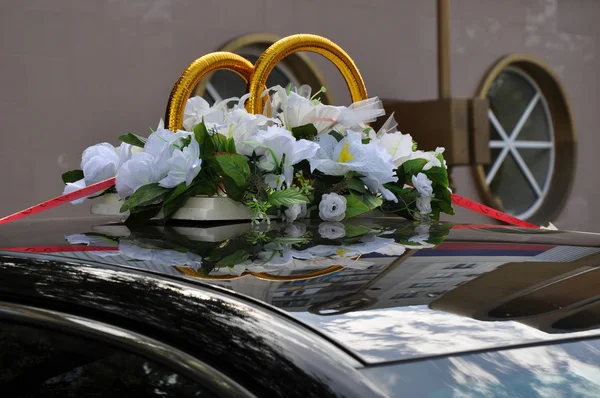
<point x="75" y="72"/>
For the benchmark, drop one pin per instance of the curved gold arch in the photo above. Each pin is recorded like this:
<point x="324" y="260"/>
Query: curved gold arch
<point x="564" y="133"/>
<point x="194" y="73"/>
<point x="304" y="42"/>
<point x="264" y="275"/>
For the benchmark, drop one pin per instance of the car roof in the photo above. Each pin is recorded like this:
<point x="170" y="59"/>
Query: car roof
<point x="473" y="288"/>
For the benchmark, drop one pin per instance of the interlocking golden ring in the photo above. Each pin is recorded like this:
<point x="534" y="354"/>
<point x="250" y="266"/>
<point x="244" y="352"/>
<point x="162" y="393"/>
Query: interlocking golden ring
<point x="303" y="42"/>
<point x="194" y="73"/>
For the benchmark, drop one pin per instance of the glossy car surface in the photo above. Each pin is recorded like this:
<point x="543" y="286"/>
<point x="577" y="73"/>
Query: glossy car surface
<point x="369" y="308"/>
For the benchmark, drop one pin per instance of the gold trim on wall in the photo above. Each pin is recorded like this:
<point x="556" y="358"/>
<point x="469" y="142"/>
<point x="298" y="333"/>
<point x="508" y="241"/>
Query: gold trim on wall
<point x="565" y="142"/>
<point x="299" y="64"/>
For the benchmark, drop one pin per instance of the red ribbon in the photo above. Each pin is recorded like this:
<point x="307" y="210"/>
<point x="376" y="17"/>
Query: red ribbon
<point x="60" y="249"/>
<point x="488" y="211"/>
<point x="59" y="201"/>
<point x="92" y="189"/>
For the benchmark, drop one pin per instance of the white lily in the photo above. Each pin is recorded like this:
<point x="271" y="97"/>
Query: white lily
<point x="398" y="145"/>
<point x="350" y="154"/>
<point x="184" y="165"/>
<point x="430" y="156"/>
<point x="166" y="257"/>
<point x="281" y="149"/>
<point x="297" y="109"/>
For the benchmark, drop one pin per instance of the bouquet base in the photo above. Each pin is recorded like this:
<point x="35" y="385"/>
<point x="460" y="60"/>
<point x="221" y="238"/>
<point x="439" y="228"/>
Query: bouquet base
<point x="195" y="209"/>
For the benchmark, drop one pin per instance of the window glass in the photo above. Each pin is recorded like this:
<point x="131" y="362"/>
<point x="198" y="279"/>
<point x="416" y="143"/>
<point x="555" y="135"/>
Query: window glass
<point x="521" y="144"/>
<point x="41" y="363"/>
<point x="562" y="370"/>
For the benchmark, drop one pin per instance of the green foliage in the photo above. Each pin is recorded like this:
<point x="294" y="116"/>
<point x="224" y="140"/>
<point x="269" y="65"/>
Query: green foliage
<point x="72" y="176"/>
<point x="307" y="132"/>
<point x="356" y="185"/>
<point x="133" y="139"/>
<point x="234" y="166"/>
<point x="145" y="195"/>
<point x="287" y="197"/>
<point x="359" y="204"/>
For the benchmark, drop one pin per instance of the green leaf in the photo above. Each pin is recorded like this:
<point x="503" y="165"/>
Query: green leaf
<point x="175" y="200"/>
<point x="287" y="197"/>
<point x="221" y="143"/>
<point x="72" y="176"/>
<point x="133" y="139"/>
<point x="142" y="214"/>
<point x="306" y="132"/>
<point x="438" y="175"/>
<point x="359" y="204"/>
<point x="336" y="135"/>
<point x="231" y="146"/>
<point x="232" y="190"/>
<point x="356" y="185"/>
<point x="413" y="167"/>
<point x="356" y="230"/>
<point x="207" y="146"/>
<point x="145" y="195"/>
<point x="233" y="259"/>
<point x="235" y="166"/>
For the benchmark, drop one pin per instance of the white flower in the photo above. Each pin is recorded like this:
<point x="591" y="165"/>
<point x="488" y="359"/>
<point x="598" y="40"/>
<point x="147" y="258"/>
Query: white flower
<point x="166" y="257"/>
<point x="431" y="157"/>
<point x="393" y="249"/>
<point x="184" y="165"/>
<point x="197" y="110"/>
<point x="383" y="171"/>
<point x="75" y="186"/>
<point x="422" y="235"/>
<point x="424" y="205"/>
<point x="274" y="181"/>
<point x="160" y="145"/>
<point x="338" y="158"/>
<point x="298" y="110"/>
<point x="422" y="184"/>
<point x="284" y="150"/>
<point x="332" y="230"/>
<point x="398" y="145"/>
<point x="350" y="154"/>
<point x="101" y="161"/>
<point x="292" y="212"/>
<point x="332" y="207"/>
<point x="140" y="170"/>
<point x="295" y="229"/>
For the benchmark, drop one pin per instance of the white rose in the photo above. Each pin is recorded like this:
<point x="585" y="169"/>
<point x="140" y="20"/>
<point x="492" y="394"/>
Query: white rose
<point x="332" y="230"/>
<point x="422" y="184"/>
<point x="99" y="162"/>
<point x="295" y="230"/>
<point x="424" y="204"/>
<point x="332" y="207"/>
<point x="140" y="170"/>
<point x="292" y="212"/>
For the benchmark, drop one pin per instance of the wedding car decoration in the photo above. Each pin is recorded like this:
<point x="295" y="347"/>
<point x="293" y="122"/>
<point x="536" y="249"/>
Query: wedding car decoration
<point x="298" y="247"/>
<point x="297" y="158"/>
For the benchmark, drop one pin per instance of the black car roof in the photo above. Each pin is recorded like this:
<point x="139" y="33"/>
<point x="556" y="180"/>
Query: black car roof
<point x="480" y="287"/>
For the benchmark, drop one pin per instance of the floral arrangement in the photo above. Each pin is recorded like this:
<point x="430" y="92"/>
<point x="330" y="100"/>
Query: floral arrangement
<point x="290" y="246"/>
<point x="299" y="158"/>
